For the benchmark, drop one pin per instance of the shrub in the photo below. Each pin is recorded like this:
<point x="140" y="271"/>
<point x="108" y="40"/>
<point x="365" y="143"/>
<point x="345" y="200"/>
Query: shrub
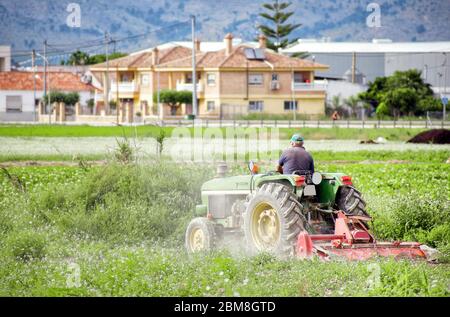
<point x="128" y="203"/>
<point x="26" y="246"/>
<point x="124" y="152"/>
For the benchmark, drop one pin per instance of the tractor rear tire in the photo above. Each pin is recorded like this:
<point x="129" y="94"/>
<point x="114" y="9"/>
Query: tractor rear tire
<point x="200" y="235"/>
<point x="350" y="201"/>
<point x="273" y="219"/>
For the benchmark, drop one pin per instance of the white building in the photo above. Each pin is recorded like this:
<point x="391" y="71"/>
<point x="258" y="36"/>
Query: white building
<point x="381" y="57"/>
<point x="20" y="94"/>
<point x="5" y="58"/>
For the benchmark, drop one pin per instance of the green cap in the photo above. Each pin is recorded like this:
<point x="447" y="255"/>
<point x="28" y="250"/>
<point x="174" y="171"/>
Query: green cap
<point x="297" y="138"/>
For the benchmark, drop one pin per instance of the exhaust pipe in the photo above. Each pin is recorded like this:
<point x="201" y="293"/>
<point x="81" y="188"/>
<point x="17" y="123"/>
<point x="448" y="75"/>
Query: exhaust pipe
<point x="222" y="169"/>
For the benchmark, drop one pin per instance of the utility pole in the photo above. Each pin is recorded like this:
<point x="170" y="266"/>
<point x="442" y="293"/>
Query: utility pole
<point x="45" y="79"/>
<point x="353" y="67"/>
<point x="118" y="105"/>
<point x="158" y="101"/>
<point x="445" y="87"/>
<point x="293" y="94"/>
<point x="194" y="73"/>
<point x="107" y="73"/>
<point x="33" y="65"/>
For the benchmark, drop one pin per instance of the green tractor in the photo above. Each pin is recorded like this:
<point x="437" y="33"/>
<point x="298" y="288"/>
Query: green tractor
<point x="267" y="212"/>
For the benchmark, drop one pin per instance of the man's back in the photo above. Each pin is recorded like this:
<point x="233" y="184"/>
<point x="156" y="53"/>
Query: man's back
<point x="296" y="159"/>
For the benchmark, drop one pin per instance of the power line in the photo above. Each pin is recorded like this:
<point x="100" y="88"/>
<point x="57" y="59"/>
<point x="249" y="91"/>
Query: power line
<point x="70" y="48"/>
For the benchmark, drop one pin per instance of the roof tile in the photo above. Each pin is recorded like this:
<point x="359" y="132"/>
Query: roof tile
<point x="62" y="81"/>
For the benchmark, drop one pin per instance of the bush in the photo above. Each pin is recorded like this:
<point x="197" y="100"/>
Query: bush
<point x="128" y="203"/>
<point x="56" y="96"/>
<point x="418" y="219"/>
<point x="26" y="246"/>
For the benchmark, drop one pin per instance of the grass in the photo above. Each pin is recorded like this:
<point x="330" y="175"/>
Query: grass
<point x="117" y="230"/>
<point x="154" y="131"/>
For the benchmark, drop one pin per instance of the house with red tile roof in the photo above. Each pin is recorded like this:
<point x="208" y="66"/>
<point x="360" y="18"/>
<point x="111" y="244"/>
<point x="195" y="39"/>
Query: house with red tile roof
<point x="21" y="91"/>
<point x="132" y="78"/>
<point x="238" y="78"/>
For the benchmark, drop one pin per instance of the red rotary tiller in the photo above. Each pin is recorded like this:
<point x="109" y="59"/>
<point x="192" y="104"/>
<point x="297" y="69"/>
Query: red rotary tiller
<point x="352" y="240"/>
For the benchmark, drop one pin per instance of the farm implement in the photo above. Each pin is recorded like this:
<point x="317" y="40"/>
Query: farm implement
<point x="306" y="215"/>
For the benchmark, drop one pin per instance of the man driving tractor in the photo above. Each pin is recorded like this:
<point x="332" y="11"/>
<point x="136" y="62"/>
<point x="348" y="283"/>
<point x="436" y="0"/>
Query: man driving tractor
<point x="296" y="158"/>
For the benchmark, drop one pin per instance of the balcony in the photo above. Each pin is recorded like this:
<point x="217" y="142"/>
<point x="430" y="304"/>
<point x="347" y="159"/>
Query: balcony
<point x="185" y="86"/>
<point x="124" y="87"/>
<point x="316" y="86"/>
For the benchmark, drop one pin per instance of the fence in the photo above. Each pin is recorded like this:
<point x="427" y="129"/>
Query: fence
<point x="360" y="124"/>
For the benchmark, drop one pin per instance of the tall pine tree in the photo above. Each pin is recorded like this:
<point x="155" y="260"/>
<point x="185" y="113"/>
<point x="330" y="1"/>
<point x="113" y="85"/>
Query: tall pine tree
<point x="278" y="30"/>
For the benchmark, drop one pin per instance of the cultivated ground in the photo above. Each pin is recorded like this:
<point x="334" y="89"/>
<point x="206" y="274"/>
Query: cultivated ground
<point x="70" y="226"/>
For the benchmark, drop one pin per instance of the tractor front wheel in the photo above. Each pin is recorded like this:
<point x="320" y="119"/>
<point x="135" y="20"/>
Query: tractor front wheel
<point x="200" y="235"/>
<point x="273" y="220"/>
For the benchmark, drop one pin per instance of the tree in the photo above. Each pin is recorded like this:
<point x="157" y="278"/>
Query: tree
<point x="71" y="98"/>
<point x="57" y="96"/>
<point x="403" y="93"/>
<point x="101" y="58"/>
<point x="278" y="31"/>
<point x="382" y="110"/>
<point x="352" y="102"/>
<point x="77" y="58"/>
<point x="173" y="98"/>
<point x="82" y="58"/>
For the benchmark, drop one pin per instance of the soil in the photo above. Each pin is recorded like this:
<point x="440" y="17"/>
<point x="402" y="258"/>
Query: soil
<point x="435" y="136"/>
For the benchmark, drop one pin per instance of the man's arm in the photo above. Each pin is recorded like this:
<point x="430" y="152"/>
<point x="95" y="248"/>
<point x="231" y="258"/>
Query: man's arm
<point x="312" y="164"/>
<point x="280" y="169"/>
<point x="281" y="163"/>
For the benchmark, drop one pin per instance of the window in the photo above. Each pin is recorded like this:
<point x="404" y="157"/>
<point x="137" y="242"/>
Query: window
<point x="255" y="79"/>
<point x="290" y="105"/>
<point x="298" y="77"/>
<point x="145" y="79"/>
<point x="13" y="103"/>
<point x="274" y="77"/>
<point x="2" y="64"/>
<point x="256" y="106"/>
<point x="211" y="79"/>
<point x="210" y="106"/>
<point x="188" y="78"/>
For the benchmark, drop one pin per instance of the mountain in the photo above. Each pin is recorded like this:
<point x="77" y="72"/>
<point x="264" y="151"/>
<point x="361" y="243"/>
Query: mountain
<point x="25" y="24"/>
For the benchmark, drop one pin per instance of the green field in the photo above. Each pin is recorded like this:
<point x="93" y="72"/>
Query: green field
<point x="153" y="131"/>
<point x="121" y="228"/>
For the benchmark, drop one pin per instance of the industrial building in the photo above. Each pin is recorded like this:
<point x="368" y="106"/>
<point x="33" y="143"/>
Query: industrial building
<point x="361" y="62"/>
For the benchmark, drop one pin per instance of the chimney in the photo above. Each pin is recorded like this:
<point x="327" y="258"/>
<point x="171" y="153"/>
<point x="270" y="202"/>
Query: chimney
<point x="262" y="41"/>
<point x="155" y="56"/>
<point x="228" y="43"/>
<point x="197" y="45"/>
